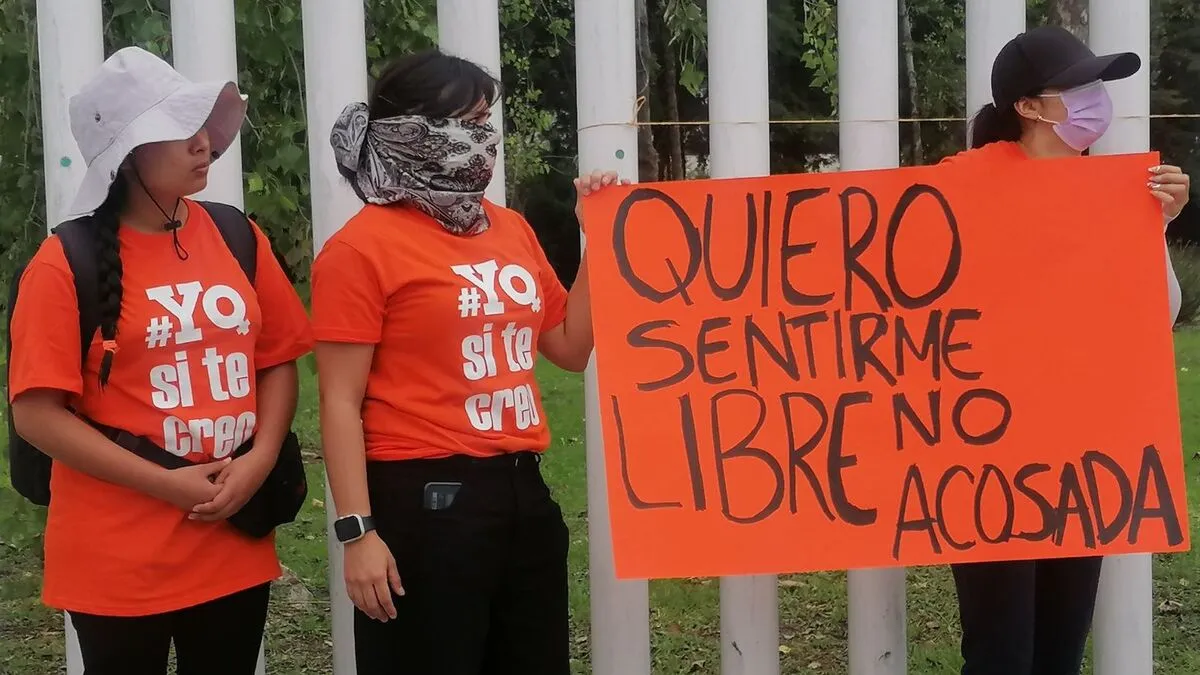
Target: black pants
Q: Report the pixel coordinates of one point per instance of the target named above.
(221, 636)
(1027, 617)
(485, 579)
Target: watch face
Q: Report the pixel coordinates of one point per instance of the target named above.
(347, 528)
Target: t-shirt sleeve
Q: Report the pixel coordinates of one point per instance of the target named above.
(286, 334)
(554, 294)
(348, 300)
(45, 327)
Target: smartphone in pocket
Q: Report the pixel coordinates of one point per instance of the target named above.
(440, 495)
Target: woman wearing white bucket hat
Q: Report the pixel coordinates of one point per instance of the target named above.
(194, 358)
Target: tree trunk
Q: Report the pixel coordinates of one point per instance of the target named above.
(1072, 15)
(669, 87)
(910, 70)
(647, 153)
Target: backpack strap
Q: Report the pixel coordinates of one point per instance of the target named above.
(239, 236)
(79, 245)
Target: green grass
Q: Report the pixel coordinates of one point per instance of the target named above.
(684, 614)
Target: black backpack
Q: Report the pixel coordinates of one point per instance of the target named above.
(29, 467)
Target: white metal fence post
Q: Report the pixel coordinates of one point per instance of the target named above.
(868, 98)
(470, 29)
(1124, 618)
(70, 50)
(335, 74)
(740, 145)
(204, 47)
(606, 87)
(990, 24)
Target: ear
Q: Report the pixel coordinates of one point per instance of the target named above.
(1029, 108)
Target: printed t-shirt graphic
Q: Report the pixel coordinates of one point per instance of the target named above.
(455, 322)
(191, 336)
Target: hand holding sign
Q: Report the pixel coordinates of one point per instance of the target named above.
(1172, 187)
(905, 367)
(589, 184)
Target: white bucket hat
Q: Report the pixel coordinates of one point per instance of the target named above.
(135, 99)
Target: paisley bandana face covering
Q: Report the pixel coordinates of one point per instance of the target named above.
(1089, 114)
(440, 166)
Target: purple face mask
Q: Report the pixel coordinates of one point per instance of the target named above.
(1089, 114)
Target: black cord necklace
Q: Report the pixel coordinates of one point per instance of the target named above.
(172, 224)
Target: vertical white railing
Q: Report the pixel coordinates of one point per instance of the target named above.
(470, 29)
(70, 50)
(1124, 618)
(606, 83)
(868, 98)
(990, 25)
(204, 47)
(335, 74)
(740, 145)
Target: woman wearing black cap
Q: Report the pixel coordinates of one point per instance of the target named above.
(1033, 617)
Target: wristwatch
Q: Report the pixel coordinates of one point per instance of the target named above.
(352, 527)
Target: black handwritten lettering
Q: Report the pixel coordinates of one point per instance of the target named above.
(785, 360)
(798, 455)
(851, 252)
(630, 493)
(1152, 470)
(691, 235)
(735, 291)
(860, 347)
(953, 260)
(1006, 530)
(949, 347)
(1107, 533)
(790, 250)
(987, 437)
(691, 448)
(1071, 502)
(838, 346)
(929, 345)
(839, 462)
(943, 484)
(767, 244)
(932, 434)
(743, 449)
(806, 322)
(639, 338)
(706, 348)
(924, 523)
(1045, 508)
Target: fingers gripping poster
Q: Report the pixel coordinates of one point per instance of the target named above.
(916, 366)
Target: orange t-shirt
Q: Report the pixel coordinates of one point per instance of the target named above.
(191, 335)
(455, 322)
(992, 152)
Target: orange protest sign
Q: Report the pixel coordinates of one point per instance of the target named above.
(965, 362)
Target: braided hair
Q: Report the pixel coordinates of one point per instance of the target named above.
(107, 220)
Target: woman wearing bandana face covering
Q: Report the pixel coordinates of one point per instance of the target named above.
(1033, 617)
(430, 307)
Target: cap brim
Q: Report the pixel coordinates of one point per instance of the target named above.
(1107, 68)
(215, 106)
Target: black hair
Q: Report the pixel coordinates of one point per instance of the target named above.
(992, 124)
(431, 84)
(107, 220)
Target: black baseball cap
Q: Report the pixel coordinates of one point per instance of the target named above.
(1051, 57)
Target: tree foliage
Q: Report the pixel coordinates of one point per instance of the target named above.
(539, 97)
